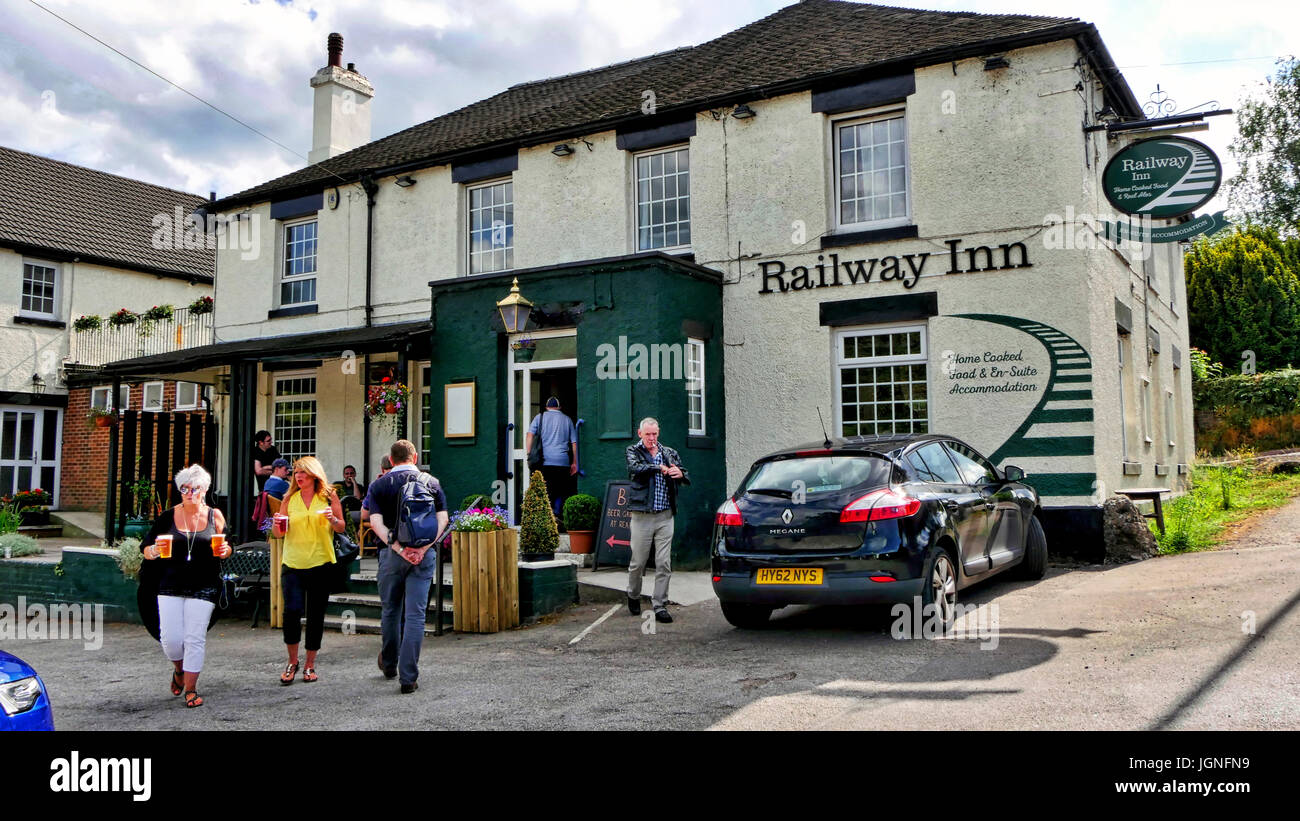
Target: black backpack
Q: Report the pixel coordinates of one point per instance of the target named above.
(417, 512)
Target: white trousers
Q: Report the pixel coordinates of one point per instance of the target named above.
(183, 630)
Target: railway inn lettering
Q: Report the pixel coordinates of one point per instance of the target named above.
(906, 268)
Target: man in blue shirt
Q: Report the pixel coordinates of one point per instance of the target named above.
(277, 484)
(559, 451)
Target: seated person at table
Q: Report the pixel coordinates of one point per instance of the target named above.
(277, 484)
(351, 493)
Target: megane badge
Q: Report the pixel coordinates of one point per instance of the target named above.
(786, 515)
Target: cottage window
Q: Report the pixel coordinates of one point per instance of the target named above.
(298, 278)
(492, 227)
(1169, 417)
(695, 387)
(101, 398)
(40, 282)
(187, 396)
(663, 200)
(871, 172)
(295, 416)
(153, 397)
(1146, 410)
(882, 382)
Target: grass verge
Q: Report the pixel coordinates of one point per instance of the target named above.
(1221, 496)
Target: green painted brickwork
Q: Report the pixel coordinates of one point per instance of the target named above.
(645, 300)
(544, 590)
(87, 579)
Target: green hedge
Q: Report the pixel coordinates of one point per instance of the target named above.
(1248, 397)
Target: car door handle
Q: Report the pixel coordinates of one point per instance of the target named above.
(990, 505)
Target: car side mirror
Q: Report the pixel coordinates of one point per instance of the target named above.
(1013, 474)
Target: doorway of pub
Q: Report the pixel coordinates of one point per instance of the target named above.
(549, 369)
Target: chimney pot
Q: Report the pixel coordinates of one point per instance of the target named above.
(352, 67)
(334, 44)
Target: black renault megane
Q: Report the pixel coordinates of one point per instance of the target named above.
(872, 519)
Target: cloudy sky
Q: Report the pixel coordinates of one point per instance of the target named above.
(64, 95)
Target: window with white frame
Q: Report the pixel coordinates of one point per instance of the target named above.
(1123, 405)
(298, 277)
(187, 396)
(101, 398)
(492, 227)
(40, 290)
(882, 381)
(1169, 417)
(426, 408)
(663, 199)
(871, 186)
(695, 387)
(152, 397)
(294, 424)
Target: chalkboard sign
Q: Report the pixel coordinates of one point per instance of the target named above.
(614, 537)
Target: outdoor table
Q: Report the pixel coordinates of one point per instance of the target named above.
(1149, 494)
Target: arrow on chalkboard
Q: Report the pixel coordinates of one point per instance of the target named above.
(611, 541)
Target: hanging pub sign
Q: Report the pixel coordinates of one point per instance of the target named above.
(1143, 231)
(1162, 177)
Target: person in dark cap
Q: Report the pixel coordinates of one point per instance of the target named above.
(277, 484)
(559, 451)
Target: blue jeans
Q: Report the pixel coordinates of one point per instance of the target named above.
(404, 593)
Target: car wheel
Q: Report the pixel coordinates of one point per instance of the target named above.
(746, 616)
(1034, 565)
(940, 588)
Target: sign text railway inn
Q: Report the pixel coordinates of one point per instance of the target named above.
(827, 218)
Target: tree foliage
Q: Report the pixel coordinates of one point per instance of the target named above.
(1243, 294)
(537, 530)
(1267, 188)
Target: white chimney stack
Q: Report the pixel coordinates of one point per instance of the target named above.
(341, 110)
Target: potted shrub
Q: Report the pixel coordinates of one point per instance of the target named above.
(484, 550)
(538, 536)
(144, 507)
(478, 500)
(581, 514)
(101, 418)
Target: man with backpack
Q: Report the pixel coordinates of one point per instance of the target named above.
(408, 512)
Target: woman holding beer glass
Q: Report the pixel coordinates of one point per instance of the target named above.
(188, 542)
(308, 519)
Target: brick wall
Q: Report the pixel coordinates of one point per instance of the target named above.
(84, 458)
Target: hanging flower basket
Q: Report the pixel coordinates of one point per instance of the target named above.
(159, 312)
(202, 305)
(122, 317)
(385, 402)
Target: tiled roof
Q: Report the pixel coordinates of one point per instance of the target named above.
(47, 204)
(802, 42)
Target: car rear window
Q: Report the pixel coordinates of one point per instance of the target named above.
(819, 474)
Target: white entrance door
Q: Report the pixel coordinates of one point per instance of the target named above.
(29, 449)
(555, 350)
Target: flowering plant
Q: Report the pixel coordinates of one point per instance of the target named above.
(31, 498)
(524, 343)
(158, 312)
(88, 322)
(385, 402)
(202, 305)
(480, 520)
(122, 316)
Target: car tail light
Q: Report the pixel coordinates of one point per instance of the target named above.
(880, 504)
(883, 579)
(729, 515)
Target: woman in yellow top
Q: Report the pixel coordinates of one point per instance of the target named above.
(308, 560)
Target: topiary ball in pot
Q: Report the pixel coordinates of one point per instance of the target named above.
(538, 535)
(581, 515)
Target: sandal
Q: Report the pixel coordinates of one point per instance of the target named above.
(178, 683)
(290, 670)
(309, 674)
(193, 699)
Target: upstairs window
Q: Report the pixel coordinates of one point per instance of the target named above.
(882, 382)
(298, 278)
(871, 172)
(39, 289)
(492, 227)
(663, 200)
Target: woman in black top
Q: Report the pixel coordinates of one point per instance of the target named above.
(189, 582)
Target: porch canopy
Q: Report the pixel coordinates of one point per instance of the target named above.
(410, 340)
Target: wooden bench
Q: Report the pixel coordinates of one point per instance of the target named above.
(1149, 494)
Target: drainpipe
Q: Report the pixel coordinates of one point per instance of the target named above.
(371, 188)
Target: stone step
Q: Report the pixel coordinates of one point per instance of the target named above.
(372, 627)
(372, 600)
(42, 531)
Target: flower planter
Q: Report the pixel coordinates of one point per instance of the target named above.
(32, 517)
(580, 540)
(103, 421)
(390, 407)
(485, 580)
(135, 527)
(524, 354)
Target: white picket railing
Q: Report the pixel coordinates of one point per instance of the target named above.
(109, 344)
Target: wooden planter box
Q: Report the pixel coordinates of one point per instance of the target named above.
(485, 581)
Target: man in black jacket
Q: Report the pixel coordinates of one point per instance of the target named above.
(656, 471)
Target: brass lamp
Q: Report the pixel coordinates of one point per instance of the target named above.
(514, 310)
